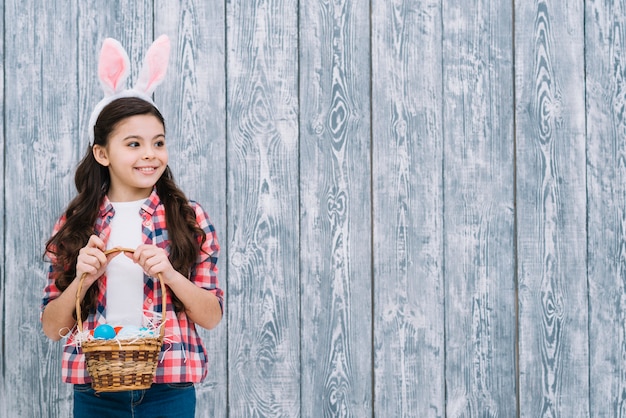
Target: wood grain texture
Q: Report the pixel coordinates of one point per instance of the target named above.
(551, 209)
(407, 146)
(335, 209)
(263, 234)
(42, 121)
(4, 411)
(478, 173)
(192, 101)
(605, 56)
(370, 260)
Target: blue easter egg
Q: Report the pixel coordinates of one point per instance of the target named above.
(104, 332)
(145, 332)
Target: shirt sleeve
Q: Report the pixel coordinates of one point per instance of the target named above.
(51, 291)
(205, 271)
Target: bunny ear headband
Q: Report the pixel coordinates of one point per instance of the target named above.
(113, 69)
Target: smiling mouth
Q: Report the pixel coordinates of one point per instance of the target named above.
(146, 169)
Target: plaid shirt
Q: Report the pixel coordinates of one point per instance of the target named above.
(183, 357)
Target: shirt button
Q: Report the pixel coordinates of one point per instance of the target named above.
(148, 222)
(149, 300)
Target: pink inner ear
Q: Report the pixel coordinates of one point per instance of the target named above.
(155, 65)
(157, 70)
(112, 68)
(110, 73)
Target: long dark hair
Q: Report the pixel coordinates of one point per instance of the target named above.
(92, 184)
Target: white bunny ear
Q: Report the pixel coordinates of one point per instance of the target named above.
(154, 66)
(113, 67)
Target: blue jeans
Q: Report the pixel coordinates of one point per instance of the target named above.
(168, 400)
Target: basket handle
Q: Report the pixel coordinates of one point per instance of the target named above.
(82, 279)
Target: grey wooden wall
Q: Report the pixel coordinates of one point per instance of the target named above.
(421, 204)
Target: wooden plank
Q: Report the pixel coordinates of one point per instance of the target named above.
(42, 93)
(4, 411)
(193, 105)
(335, 209)
(407, 207)
(262, 202)
(605, 57)
(478, 179)
(551, 209)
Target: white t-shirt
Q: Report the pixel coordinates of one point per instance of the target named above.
(124, 297)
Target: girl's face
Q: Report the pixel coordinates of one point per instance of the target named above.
(136, 156)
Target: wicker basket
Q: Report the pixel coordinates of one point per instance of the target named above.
(119, 365)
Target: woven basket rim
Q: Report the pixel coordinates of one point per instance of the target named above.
(147, 344)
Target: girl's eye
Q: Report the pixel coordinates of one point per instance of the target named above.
(159, 143)
(133, 144)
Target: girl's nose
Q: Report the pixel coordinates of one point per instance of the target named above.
(149, 154)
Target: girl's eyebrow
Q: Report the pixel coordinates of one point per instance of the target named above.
(141, 137)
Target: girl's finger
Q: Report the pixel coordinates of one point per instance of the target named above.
(97, 256)
(95, 242)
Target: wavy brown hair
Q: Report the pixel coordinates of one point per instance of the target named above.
(92, 184)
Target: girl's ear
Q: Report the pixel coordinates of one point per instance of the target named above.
(100, 154)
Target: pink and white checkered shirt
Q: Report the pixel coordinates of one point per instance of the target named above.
(183, 357)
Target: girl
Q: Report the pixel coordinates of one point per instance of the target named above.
(127, 198)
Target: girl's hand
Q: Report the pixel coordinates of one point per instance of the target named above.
(153, 260)
(91, 260)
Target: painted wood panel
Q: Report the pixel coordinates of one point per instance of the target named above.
(262, 200)
(3, 329)
(193, 100)
(551, 209)
(42, 121)
(478, 184)
(605, 57)
(336, 323)
(401, 189)
(407, 152)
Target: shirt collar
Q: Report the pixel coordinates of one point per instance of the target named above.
(148, 206)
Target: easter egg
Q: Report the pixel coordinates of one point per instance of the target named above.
(145, 332)
(129, 331)
(104, 332)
